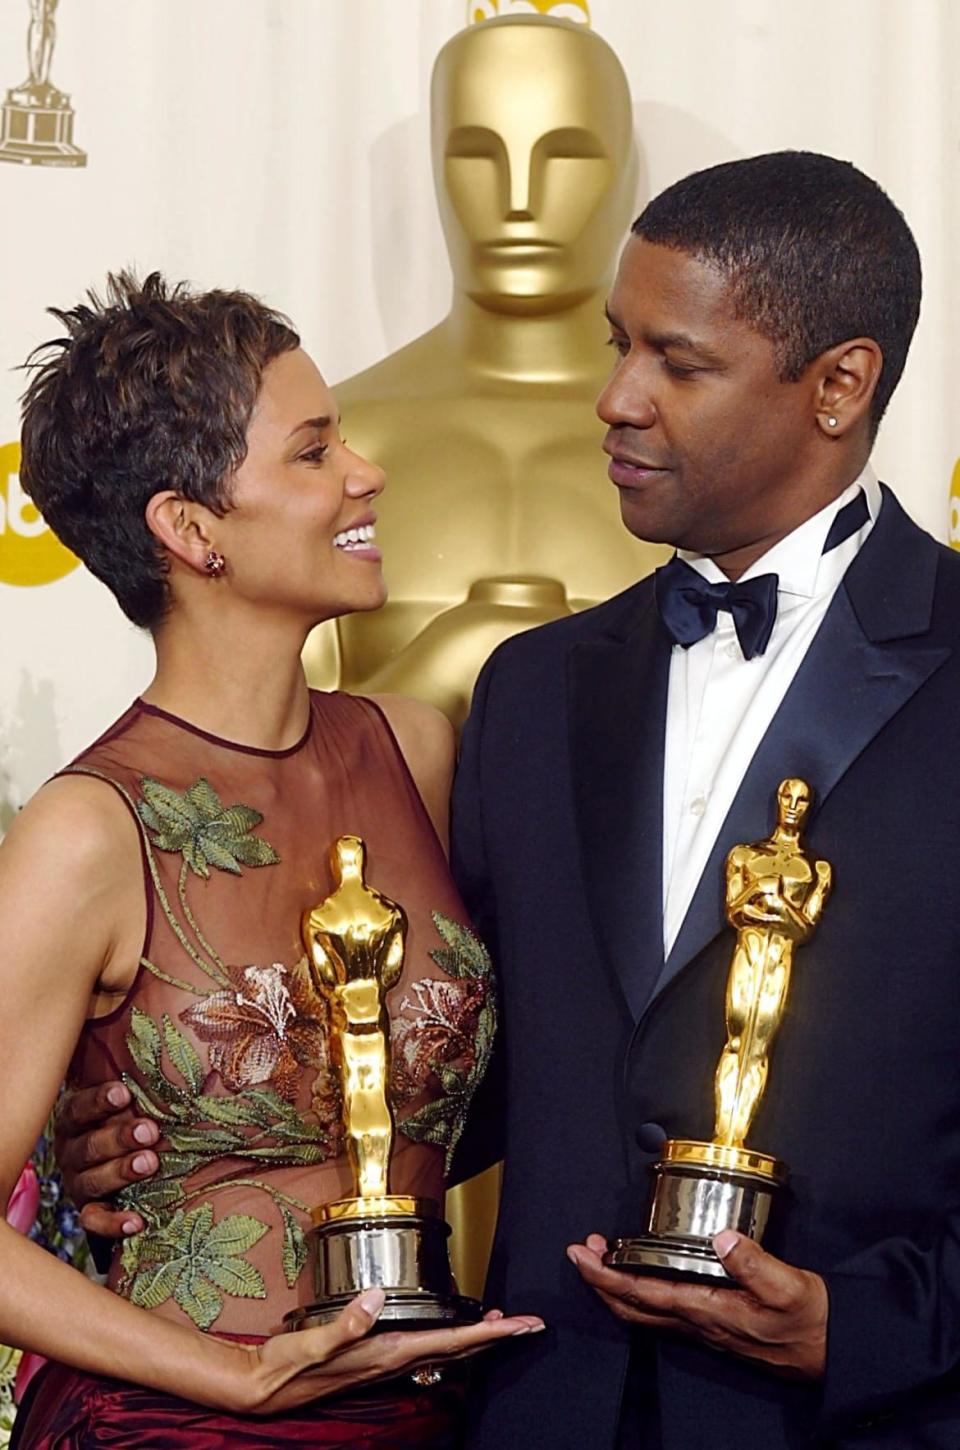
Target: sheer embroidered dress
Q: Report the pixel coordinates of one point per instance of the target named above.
(222, 1038)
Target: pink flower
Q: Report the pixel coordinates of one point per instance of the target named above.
(24, 1201)
(21, 1213)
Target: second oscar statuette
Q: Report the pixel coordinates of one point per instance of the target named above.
(355, 942)
(775, 894)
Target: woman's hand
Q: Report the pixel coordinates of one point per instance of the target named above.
(292, 1369)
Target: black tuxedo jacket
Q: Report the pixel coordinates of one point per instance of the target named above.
(557, 848)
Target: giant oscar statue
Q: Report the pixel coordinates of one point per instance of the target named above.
(498, 515)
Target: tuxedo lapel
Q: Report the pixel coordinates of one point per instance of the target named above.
(866, 662)
(617, 700)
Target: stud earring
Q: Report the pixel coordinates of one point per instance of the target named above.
(831, 421)
(215, 564)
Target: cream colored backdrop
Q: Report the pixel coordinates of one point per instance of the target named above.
(282, 145)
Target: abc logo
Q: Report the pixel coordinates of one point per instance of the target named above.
(29, 552)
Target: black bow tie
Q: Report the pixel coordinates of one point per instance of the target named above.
(688, 603)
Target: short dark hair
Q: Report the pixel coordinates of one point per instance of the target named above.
(152, 388)
(813, 250)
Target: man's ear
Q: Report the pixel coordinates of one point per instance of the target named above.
(849, 374)
(181, 527)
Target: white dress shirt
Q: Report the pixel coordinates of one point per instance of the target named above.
(719, 704)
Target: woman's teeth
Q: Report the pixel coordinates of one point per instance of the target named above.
(355, 538)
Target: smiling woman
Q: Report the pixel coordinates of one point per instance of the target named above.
(189, 840)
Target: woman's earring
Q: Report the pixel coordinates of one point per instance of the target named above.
(215, 565)
(831, 421)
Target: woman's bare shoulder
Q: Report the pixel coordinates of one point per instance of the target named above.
(76, 824)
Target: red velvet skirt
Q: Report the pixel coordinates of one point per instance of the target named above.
(65, 1409)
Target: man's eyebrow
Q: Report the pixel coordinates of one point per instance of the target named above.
(317, 423)
(684, 343)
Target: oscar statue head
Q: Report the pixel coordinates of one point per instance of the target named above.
(793, 802)
(534, 161)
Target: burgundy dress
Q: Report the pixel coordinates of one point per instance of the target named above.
(224, 1042)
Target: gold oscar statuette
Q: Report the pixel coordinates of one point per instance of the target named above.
(355, 942)
(36, 125)
(775, 894)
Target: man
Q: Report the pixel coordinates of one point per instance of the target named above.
(760, 319)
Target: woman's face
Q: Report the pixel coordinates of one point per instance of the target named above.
(299, 535)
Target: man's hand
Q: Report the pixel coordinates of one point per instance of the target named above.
(101, 1146)
(778, 1316)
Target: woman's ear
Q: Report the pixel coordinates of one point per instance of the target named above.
(182, 528)
(849, 376)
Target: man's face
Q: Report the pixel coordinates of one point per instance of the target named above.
(709, 449)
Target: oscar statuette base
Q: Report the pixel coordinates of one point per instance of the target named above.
(36, 128)
(398, 1244)
(699, 1190)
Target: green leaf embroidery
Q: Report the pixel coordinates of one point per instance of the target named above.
(183, 1055)
(465, 954)
(294, 1248)
(441, 1121)
(143, 1040)
(198, 1299)
(202, 829)
(190, 1258)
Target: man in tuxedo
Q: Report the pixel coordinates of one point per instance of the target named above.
(760, 321)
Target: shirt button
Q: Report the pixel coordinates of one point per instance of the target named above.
(698, 805)
(733, 651)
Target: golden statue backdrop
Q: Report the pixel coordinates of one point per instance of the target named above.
(498, 514)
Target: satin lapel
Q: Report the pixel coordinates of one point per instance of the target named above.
(847, 688)
(617, 699)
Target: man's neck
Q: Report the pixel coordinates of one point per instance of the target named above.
(736, 561)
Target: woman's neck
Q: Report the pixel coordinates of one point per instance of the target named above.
(244, 685)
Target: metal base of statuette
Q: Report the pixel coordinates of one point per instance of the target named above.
(699, 1190)
(36, 128)
(396, 1243)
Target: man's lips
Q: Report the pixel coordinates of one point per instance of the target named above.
(627, 472)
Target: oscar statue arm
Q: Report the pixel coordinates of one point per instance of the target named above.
(482, 1141)
(735, 876)
(815, 902)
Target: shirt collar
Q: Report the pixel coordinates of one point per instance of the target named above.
(798, 560)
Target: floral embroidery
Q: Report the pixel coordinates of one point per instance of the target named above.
(446, 1040)
(264, 1029)
(260, 1027)
(197, 824)
(199, 1128)
(190, 1258)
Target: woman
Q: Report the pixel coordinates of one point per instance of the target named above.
(187, 449)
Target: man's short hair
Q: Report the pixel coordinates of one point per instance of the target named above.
(814, 253)
(151, 388)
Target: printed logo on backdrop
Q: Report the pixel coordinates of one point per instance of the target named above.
(29, 552)
(578, 10)
(955, 507)
(37, 124)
